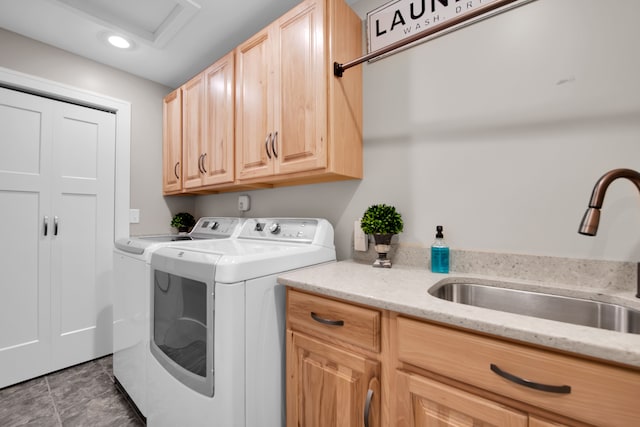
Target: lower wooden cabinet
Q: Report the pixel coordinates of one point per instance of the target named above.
(330, 386)
(424, 402)
(418, 373)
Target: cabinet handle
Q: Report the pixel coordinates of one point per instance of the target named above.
(561, 389)
(175, 170)
(55, 225)
(266, 145)
(329, 322)
(200, 164)
(367, 407)
(273, 144)
(204, 170)
(45, 222)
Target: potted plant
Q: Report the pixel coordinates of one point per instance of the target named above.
(183, 221)
(382, 221)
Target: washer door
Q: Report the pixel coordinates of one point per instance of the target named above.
(182, 326)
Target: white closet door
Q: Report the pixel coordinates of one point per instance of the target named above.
(83, 207)
(57, 163)
(25, 168)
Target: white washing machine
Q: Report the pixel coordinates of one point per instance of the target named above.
(218, 324)
(131, 299)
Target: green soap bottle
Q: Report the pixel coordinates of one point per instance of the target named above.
(439, 253)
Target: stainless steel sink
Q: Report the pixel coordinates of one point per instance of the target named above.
(542, 305)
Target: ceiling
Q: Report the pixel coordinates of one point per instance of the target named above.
(173, 39)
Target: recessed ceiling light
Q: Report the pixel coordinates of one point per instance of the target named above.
(119, 42)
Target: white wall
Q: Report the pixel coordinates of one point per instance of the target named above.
(498, 132)
(31, 57)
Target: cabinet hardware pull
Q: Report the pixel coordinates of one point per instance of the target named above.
(329, 322)
(266, 145)
(273, 144)
(204, 170)
(200, 164)
(175, 170)
(367, 407)
(562, 389)
(45, 222)
(55, 225)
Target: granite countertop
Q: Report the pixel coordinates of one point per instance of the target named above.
(403, 289)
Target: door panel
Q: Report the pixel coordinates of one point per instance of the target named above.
(423, 402)
(25, 164)
(192, 114)
(301, 106)
(254, 94)
(83, 194)
(172, 142)
(218, 160)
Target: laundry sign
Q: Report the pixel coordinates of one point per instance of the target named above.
(401, 19)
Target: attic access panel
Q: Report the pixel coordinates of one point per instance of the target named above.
(153, 22)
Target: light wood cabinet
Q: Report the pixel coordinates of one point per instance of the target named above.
(571, 387)
(271, 113)
(172, 143)
(199, 134)
(296, 122)
(208, 133)
(192, 130)
(329, 384)
(432, 374)
(425, 402)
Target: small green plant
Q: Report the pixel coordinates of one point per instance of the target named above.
(183, 220)
(381, 219)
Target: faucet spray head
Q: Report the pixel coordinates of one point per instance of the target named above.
(590, 222)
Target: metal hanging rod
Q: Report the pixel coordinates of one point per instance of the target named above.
(339, 69)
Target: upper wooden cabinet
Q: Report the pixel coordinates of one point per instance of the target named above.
(208, 134)
(295, 121)
(172, 143)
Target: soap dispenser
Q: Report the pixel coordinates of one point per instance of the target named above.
(439, 253)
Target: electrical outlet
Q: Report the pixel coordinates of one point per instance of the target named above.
(360, 240)
(134, 216)
(243, 203)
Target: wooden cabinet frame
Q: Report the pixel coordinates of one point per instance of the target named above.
(421, 376)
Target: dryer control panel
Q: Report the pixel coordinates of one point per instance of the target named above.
(300, 230)
(215, 228)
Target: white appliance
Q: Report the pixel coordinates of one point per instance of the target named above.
(218, 324)
(131, 299)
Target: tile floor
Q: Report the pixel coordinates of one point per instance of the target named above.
(83, 395)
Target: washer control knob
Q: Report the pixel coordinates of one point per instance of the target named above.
(215, 225)
(274, 228)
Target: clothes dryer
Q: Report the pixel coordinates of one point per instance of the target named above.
(218, 323)
(131, 299)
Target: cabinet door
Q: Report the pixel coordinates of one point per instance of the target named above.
(218, 145)
(423, 402)
(172, 143)
(192, 119)
(539, 422)
(25, 170)
(83, 232)
(330, 387)
(301, 90)
(254, 107)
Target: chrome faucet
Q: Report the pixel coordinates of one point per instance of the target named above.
(591, 218)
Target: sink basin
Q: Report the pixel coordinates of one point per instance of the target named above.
(577, 311)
